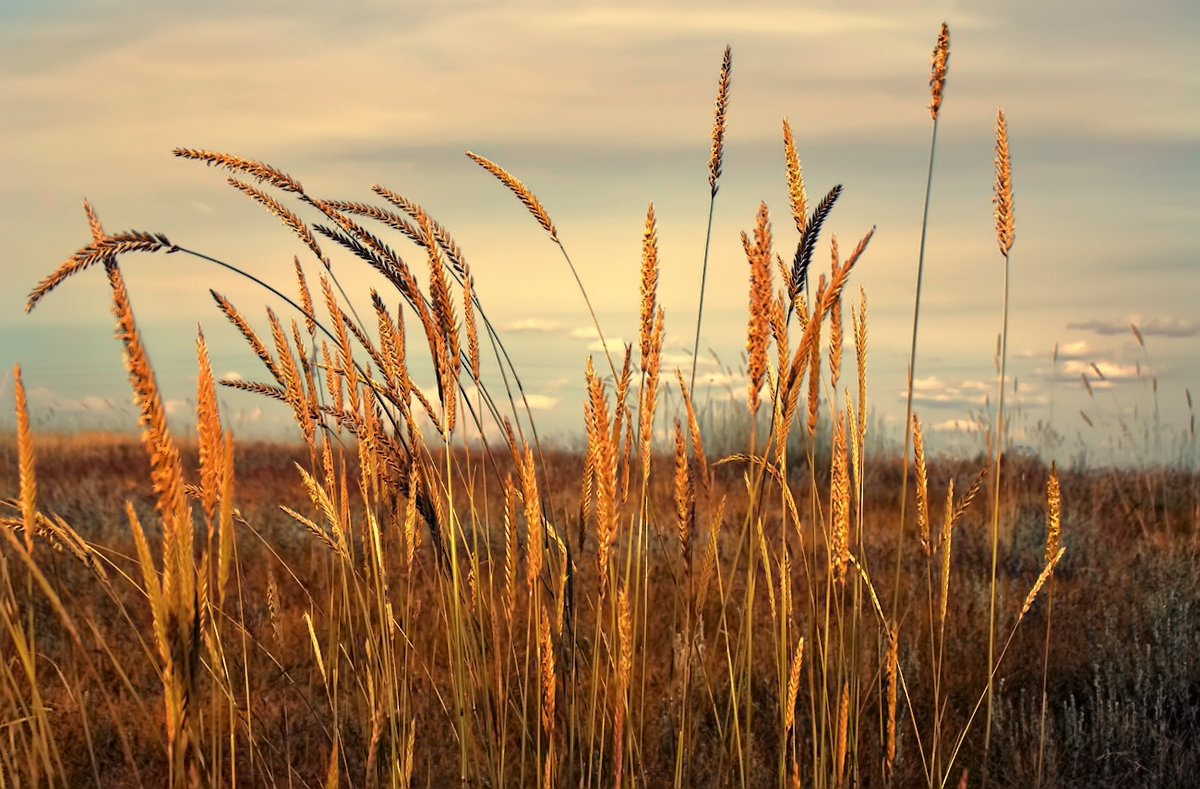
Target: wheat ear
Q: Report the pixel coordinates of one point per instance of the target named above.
(797, 196)
(758, 328)
(649, 284)
(1003, 199)
(100, 250)
(922, 484)
(720, 111)
(520, 190)
(260, 171)
(937, 77)
(840, 484)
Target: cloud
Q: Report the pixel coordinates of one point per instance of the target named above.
(714, 380)
(44, 397)
(538, 402)
(535, 326)
(932, 391)
(683, 360)
(1071, 351)
(955, 426)
(232, 375)
(584, 333)
(255, 414)
(1103, 370)
(1168, 326)
(615, 345)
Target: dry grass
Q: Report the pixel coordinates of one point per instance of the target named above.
(389, 604)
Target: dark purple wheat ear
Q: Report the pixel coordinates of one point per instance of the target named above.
(808, 242)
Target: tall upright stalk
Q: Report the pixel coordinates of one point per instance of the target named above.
(937, 87)
(714, 174)
(1003, 201)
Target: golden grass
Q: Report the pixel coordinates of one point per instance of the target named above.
(320, 631)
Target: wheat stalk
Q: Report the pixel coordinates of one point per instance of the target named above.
(842, 732)
(922, 484)
(100, 250)
(451, 249)
(793, 688)
(694, 431)
(1053, 513)
(285, 215)
(520, 190)
(808, 243)
(720, 111)
(758, 329)
(264, 173)
(947, 533)
(649, 285)
(685, 497)
(27, 471)
(624, 670)
(937, 77)
(533, 519)
(469, 324)
(840, 492)
(1003, 199)
(797, 196)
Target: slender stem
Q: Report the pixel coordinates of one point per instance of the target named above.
(703, 278)
(996, 523)
(1045, 672)
(592, 312)
(912, 366)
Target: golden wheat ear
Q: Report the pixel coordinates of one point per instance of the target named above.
(937, 77)
(260, 171)
(720, 112)
(102, 249)
(520, 190)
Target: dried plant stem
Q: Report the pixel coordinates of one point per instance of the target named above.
(714, 173)
(941, 54)
(1004, 237)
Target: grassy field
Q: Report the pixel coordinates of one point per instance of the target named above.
(390, 603)
(1122, 694)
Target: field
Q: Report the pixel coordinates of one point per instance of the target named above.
(392, 601)
(1122, 698)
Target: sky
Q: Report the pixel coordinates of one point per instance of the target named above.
(602, 108)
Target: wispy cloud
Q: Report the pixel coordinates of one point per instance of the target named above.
(933, 391)
(615, 345)
(539, 402)
(955, 426)
(683, 361)
(720, 380)
(535, 326)
(1102, 370)
(1079, 350)
(1168, 326)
